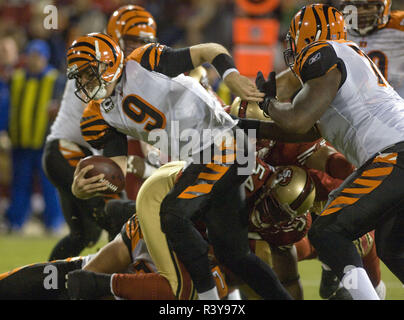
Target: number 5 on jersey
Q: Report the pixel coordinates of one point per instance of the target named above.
(140, 111)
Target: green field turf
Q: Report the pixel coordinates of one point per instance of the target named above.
(21, 250)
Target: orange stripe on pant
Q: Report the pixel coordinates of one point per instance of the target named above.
(72, 156)
(390, 159)
(377, 172)
(339, 201)
(204, 188)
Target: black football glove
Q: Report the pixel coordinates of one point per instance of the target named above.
(268, 87)
(87, 285)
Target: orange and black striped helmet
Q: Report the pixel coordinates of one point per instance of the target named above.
(98, 52)
(312, 23)
(132, 20)
(367, 21)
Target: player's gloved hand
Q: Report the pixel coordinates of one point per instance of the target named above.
(268, 87)
(88, 285)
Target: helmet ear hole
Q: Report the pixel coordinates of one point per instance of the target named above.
(111, 64)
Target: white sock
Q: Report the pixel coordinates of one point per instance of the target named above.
(357, 282)
(209, 295)
(234, 295)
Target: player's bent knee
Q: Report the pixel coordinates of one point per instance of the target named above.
(320, 237)
(230, 257)
(177, 229)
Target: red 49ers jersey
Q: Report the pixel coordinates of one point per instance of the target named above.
(292, 153)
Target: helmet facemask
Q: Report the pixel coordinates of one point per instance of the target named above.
(269, 212)
(89, 82)
(287, 194)
(129, 43)
(290, 52)
(370, 17)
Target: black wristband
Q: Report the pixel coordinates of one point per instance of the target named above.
(223, 62)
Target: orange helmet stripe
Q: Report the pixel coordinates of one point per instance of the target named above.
(316, 22)
(130, 20)
(95, 48)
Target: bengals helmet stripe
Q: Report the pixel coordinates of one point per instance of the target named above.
(78, 54)
(317, 22)
(92, 49)
(313, 23)
(297, 31)
(108, 42)
(132, 20)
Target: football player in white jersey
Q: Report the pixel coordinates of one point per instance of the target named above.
(345, 95)
(146, 95)
(132, 26)
(380, 34)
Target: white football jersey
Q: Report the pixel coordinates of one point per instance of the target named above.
(367, 114)
(173, 113)
(67, 123)
(386, 48)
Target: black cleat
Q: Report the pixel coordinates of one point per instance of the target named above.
(341, 294)
(329, 284)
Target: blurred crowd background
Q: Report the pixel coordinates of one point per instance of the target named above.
(23, 39)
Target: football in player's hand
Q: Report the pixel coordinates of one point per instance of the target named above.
(113, 173)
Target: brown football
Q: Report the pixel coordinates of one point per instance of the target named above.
(111, 170)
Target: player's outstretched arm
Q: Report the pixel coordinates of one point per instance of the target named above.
(270, 130)
(287, 85)
(220, 58)
(308, 106)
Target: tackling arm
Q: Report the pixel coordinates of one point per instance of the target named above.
(220, 58)
(287, 85)
(308, 106)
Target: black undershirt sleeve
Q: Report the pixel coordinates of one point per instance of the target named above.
(173, 62)
(116, 144)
